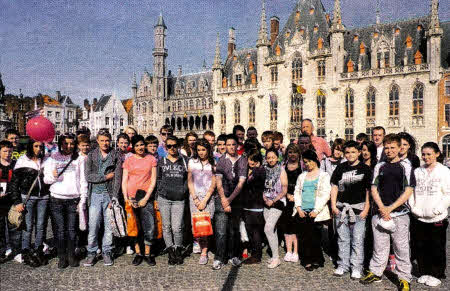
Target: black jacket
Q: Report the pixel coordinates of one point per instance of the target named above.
(21, 181)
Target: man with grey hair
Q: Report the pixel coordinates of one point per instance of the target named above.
(320, 145)
(104, 176)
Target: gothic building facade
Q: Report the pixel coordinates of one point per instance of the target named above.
(345, 80)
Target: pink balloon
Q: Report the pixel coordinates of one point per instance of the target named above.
(40, 129)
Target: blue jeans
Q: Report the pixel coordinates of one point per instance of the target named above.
(65, 217)
(350, 243)
(97, 217)
(36, 210)
(14, 236)
(227, 234)
(172, 215)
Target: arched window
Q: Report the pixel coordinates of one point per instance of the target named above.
(297, 69)
(237, 112)
(180, 106)
(321, 103)
(144, 108)
(223, 113)
(150, 106)
(418, 99)
(296, 107)
(446, 146)
(370, 106)
(394, 101)
(210, 103)
(349, 103)
(273, 108)
(197, 104)
(191, 104)
(251, 111)
(203, 103)
(321, 69)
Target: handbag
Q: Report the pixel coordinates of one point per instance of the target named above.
(16, 217)
(158, 221)
(201, 224)
(117, 220)
(132, 226)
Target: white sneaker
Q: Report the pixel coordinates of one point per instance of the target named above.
(356, 275)
(18, 258)
(46, 249)
(235, 262)
(423, 279)
(294, 258)
(129, 251)
(339, 272)
(196, 248)
(432, 281)
(8, 252)
(274, 263)
(99, 251)
(288, 257)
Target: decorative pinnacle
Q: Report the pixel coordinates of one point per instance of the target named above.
(217, 59)
(336, 25)
(434, 14)
(262, 35)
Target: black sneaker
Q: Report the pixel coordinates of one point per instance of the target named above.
(137, 260)
(63, 263)
(108, 259)
(150, 260)
(90, 260)
(370, 278)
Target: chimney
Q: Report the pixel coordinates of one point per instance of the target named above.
(86, 103)
(94, 103)
(231, 41)
(327, 17)
(274, 28)
(180, 71)
(58, 96)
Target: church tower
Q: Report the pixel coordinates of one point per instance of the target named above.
(337, 44)
(159, 59)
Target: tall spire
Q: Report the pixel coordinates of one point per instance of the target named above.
(337, 17)
(262, 35)
(134, 84)
(161, 21)
(217, 59)
(434, 14)
(378, 12)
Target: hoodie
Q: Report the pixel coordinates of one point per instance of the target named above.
(431, 197)
(72, 183)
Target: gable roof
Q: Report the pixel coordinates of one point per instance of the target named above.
(127, 104)
(102, 103)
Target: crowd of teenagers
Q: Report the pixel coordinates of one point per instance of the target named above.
(370, 205)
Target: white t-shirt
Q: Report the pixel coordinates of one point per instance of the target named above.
(380, 150)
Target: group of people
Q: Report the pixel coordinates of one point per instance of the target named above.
(372, 198)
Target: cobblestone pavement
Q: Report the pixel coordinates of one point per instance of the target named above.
(190, 276)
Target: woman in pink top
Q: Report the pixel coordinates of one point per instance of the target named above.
(138, 183)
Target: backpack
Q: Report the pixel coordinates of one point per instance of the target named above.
(117, 219)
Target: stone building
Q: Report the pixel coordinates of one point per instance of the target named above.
(61, 111)
(183, 101)
(109, 113)
(345, 80)
(16, 108)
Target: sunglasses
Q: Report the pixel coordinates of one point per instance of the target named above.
(169, 146)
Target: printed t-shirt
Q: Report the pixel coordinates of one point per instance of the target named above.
(352, 182)
(139, 173)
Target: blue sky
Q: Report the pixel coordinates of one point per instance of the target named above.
(86, 48)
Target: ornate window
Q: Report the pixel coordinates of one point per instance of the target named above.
(238, 80)
(144, 108)
(204, 103)
(349, 103)
(447, 115)
(191, 104)
(251, 111)
(210, 103)
(370, 105)
(321, 69)
(237, 112)
(197, 104)
(321, 132)
(418, 100)
(180, 106)
(394, 101)
(296, 108)
(273, 108)
(321, 103)
(297, 69)
(223, 113)
(274, 74)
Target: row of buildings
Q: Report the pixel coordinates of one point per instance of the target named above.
(346, 80)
